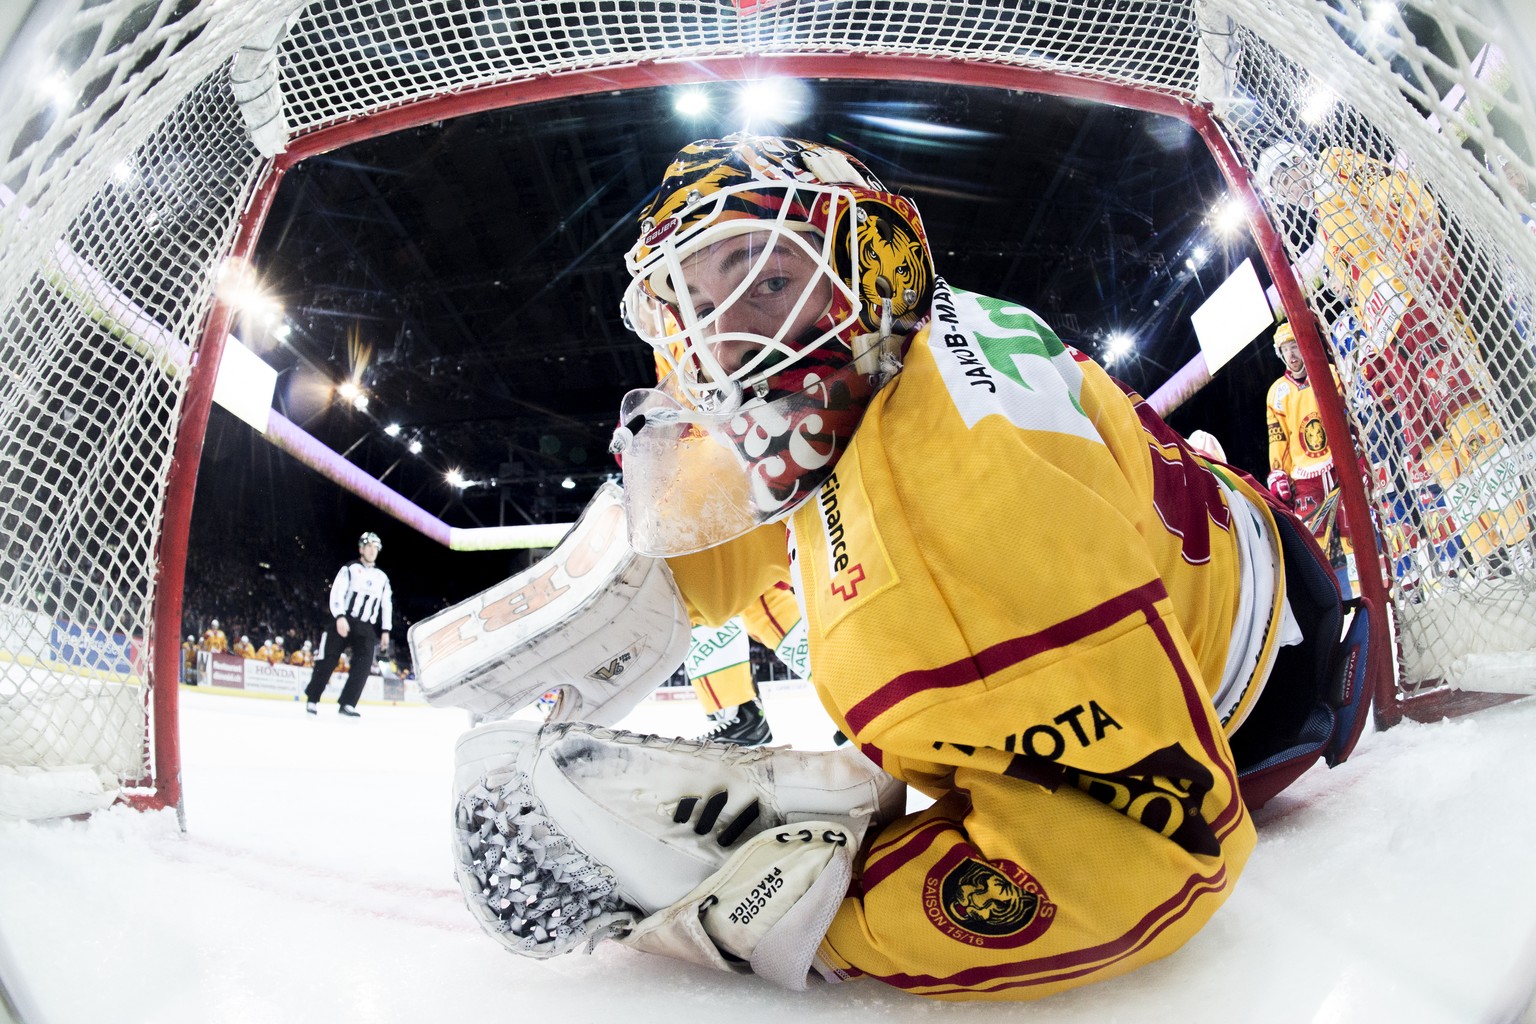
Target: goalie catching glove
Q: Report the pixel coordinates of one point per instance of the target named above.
(725, 856)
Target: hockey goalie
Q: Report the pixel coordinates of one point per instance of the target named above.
(1026, 598)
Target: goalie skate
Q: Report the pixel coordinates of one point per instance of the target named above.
(571, 833)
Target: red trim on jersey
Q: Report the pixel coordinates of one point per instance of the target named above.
(912, 828)
(1075, 963)
(1197, 704)
(1007, 653)
(912, 845)
(777, 628)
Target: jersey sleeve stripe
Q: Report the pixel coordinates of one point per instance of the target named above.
(1073, 964)
(1200, 721)
(1008, 653)
(910, 847)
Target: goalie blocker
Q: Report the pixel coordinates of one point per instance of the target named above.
(592, 620)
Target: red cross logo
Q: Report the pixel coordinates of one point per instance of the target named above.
(850, 590)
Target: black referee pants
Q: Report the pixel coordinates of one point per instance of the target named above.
(363, 639)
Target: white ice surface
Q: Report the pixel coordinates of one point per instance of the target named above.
(313, 885)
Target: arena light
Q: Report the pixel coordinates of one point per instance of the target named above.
(348, 390)
(1227, 217)
(772, 100)
(1379, 34)
(360, 403)
(691, 102)
(414, 447)
(393, 430)
(568, 484)
(1117, 346)
(1316, 104)
(57, 88)
(456, 479)
(239, 288)
(908, 126)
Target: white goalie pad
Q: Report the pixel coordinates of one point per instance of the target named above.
(592, 619)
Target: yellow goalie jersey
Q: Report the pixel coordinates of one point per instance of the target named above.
(1019, 593)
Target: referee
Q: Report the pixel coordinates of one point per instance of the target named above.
(361, 613)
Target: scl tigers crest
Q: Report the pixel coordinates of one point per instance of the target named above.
(1313, 437)
(994, 904)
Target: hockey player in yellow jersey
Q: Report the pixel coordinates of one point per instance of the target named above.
(1380, 237)
(189, 660)
(304, 657)
(1300, 461)
(214, 638)
(1025, 598)
(729, 695)
(1301, 469)
(271, 651)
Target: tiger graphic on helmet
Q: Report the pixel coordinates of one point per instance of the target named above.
(893, 264)
(870, 242)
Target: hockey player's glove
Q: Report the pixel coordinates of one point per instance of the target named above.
(720, 855)
(1280, 487)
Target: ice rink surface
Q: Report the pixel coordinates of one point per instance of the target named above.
(314, 885)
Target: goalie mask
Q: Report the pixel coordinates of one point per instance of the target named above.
(1285, 171)
(778, 282)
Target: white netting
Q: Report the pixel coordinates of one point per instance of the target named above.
(128, 157)
(127, 170)
(1417, 256)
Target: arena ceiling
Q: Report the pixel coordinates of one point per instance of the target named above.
(467, 273)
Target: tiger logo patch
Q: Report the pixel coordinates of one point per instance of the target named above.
(994, 904)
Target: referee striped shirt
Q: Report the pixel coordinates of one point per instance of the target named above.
(362, 592)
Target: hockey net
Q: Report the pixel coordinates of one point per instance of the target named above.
(143, 149)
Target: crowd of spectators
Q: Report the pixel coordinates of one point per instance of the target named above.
(252, 595)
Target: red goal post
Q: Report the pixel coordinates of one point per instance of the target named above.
(140, 162)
